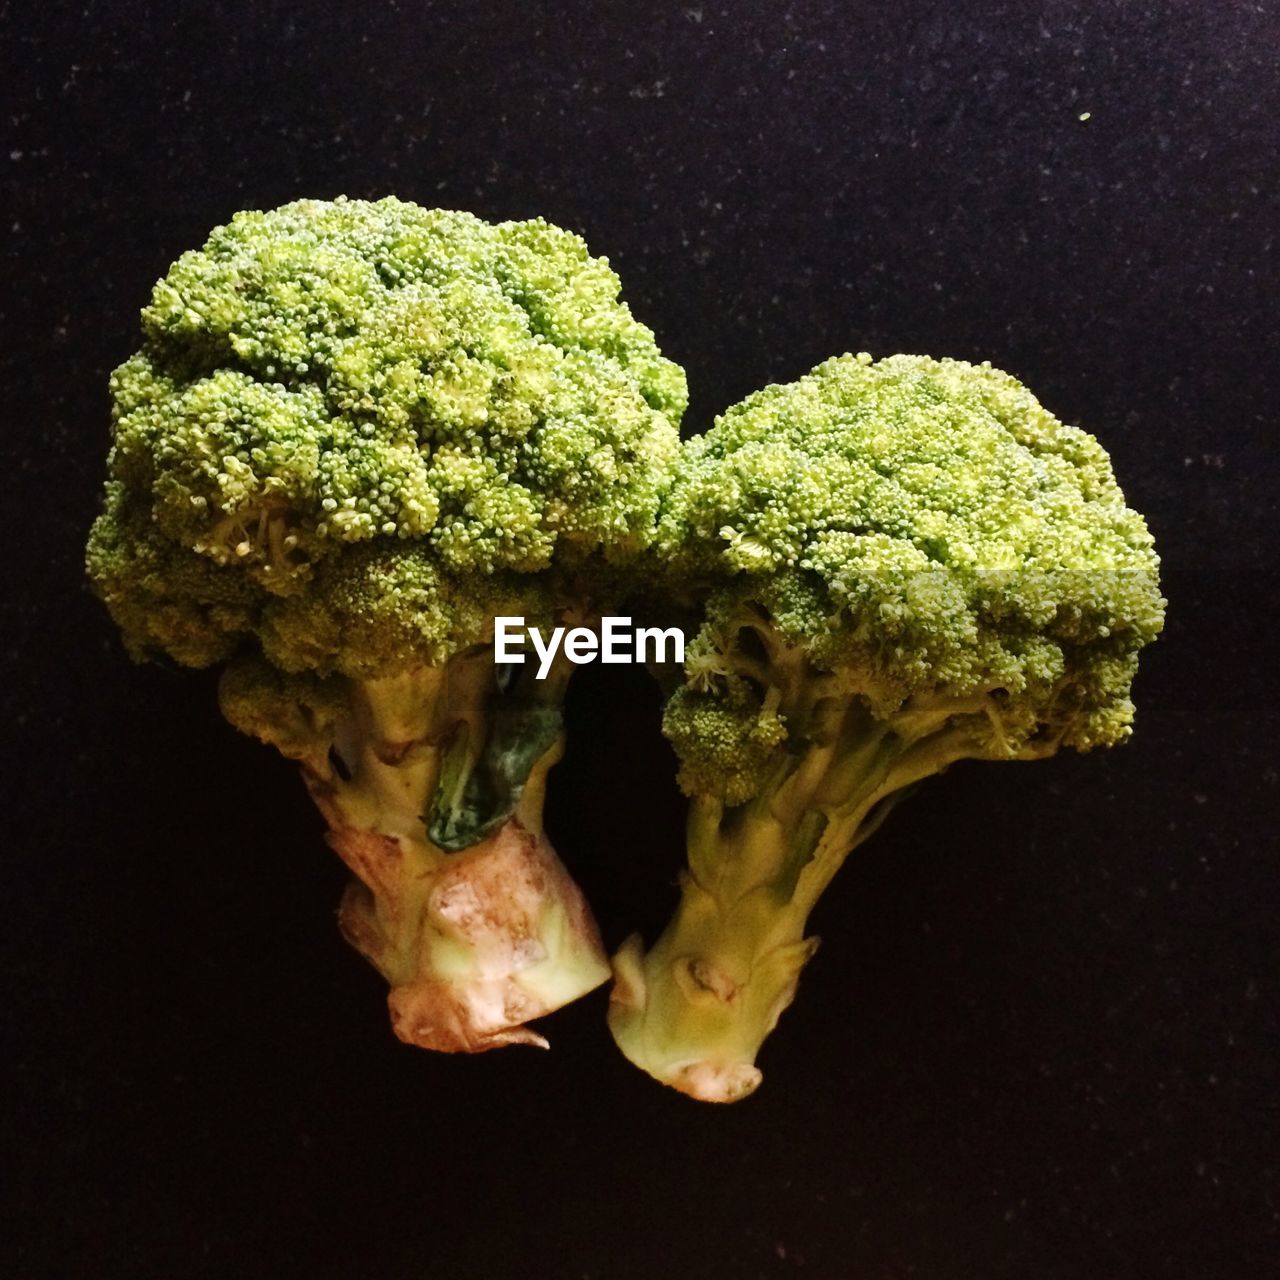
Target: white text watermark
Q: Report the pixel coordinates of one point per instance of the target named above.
(615, 641)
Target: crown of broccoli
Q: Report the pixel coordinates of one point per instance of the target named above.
(354, 428)
(904, 528)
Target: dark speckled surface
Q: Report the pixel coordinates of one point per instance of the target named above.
(1040, 1039)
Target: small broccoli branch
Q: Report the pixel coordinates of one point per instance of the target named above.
(475, 939)
(495, 763)
(695, 1009)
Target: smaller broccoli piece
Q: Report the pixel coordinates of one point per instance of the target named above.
(353, 435)
(905, 564)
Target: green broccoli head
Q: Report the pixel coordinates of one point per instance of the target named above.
(908, 531)
(351, 426)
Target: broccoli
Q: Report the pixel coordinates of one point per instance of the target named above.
(356, 432)
(902, 564)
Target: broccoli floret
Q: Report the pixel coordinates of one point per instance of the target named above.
(353, 434)
(907, 563)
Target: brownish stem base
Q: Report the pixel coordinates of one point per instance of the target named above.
(474, 945)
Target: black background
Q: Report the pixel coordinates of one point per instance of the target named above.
(1040, 1039)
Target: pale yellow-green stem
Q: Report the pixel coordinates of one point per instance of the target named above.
(474, 943)
(695, 1009)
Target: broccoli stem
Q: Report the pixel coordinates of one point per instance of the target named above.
(478, 941)
(695, 1009)
(475, 942)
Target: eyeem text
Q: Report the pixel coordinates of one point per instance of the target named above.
(616, 641)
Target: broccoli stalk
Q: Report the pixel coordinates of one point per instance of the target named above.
(354, 434)
(432, 784)
(736, 945)
(911, 563)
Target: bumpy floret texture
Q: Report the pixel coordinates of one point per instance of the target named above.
(295, 713)
(725, 740)
(329, 384)
(913, 527)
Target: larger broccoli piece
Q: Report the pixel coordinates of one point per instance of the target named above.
(354, 433)
(908, 563)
